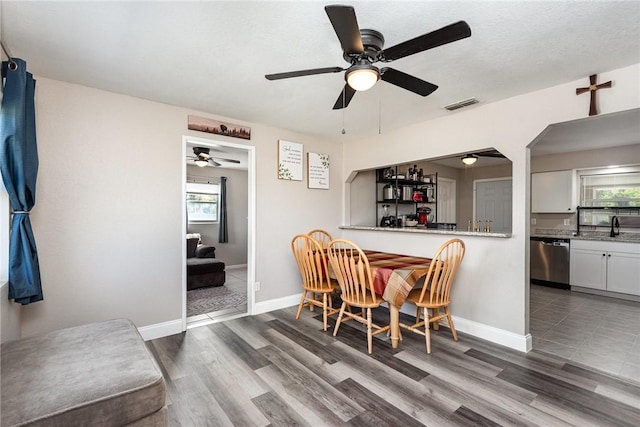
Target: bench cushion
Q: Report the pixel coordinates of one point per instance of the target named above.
(204, 266)
(100, 374)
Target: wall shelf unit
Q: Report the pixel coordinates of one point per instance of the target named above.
(404, 196)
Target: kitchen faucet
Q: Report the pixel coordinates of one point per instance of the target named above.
(615, 226)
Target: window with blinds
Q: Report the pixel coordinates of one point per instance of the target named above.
(202, 202)
(610, 190)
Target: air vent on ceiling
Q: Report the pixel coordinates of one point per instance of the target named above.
(460, 104)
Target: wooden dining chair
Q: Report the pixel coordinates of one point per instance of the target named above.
(351, 267)
(323, 237)
(436, 291)
(312, 263)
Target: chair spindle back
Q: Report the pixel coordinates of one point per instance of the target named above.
(442, 271)
(352, 270)
(321, 236)
(311, 261)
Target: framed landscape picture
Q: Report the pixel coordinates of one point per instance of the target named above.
(318, 171)
(289, 160)
(219, 128)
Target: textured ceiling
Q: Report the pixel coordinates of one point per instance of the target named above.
(212, 56)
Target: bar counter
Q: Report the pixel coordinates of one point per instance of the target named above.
(423, 230)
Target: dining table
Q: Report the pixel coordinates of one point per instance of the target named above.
(394, 276)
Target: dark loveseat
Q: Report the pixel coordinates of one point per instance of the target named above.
(203, 269)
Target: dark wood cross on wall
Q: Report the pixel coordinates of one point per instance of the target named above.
(593, 87)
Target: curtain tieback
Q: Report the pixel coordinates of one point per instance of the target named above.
(21, 212)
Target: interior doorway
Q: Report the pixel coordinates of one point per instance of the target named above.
(493, 202)
(234, 295)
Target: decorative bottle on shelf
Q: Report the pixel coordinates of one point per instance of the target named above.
(414, 176)
(420, 175)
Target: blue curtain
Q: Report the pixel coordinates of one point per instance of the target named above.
(223, 233)
(19, 167)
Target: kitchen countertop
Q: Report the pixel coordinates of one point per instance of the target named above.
(423, 230)
(587, 235)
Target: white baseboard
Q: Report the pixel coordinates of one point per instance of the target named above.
(480, 330)
(276, 304)
(159, 330)
(235, 267)
(495, 335)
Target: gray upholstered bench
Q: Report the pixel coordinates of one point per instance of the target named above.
(100, 374)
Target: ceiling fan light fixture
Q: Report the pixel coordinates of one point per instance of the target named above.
(362, 77)
(201, 162)
(469, 159)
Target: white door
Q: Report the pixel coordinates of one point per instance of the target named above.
(493, 202)
(446, 200)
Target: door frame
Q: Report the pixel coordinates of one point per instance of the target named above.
(251, 217)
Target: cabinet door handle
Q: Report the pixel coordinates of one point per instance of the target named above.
(603, 254)
(609, 255)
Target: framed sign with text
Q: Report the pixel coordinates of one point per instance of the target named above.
(318, 170)
(290, 160)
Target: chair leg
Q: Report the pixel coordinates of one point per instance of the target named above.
(436, 325)
(335, 328)
(417, 314)
(450, 320)
(304, 294)
(427, 332)
(324, 311)
(312, 307)
(369, 336)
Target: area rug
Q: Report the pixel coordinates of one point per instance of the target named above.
(206, 300)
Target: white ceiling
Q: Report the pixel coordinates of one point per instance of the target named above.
(212, 56)
(608, 130)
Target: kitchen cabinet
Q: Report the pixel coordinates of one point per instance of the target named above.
(606, 266)
(398, 195)
(553, 192)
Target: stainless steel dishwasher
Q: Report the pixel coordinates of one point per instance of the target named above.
(550, 261)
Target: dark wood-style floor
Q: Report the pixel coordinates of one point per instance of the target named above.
(273, 370)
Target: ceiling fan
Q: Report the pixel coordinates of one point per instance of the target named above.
(202, 158)
(363, 48)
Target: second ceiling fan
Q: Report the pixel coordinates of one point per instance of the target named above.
(363, 48)
(202, 158)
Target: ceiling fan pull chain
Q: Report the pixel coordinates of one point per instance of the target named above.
(379, 111)
(343, 102)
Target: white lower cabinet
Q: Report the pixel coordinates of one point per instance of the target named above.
(607, 266)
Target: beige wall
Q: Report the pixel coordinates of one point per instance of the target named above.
(587, 159)
(491, 291)
(108, 219)
(234, 252)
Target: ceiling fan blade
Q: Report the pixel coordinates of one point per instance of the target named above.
(301, 73)
(226, 160)
(406, 81)
(444, 35)
(345, 24)
(345, 97)
(214, 163)
(491, 153)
